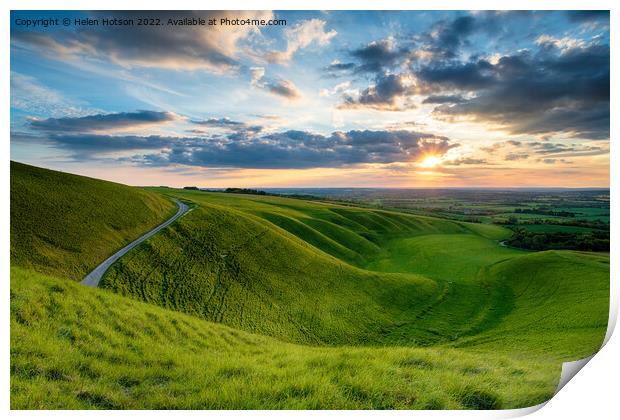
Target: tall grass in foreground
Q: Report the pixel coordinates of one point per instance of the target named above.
(76, 347)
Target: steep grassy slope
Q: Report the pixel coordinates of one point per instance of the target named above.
(275, 266)
(321, 273)
(76, 347)
(233, 268)
(559, 304)
(65, 224)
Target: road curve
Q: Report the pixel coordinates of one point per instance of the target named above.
(94, 277)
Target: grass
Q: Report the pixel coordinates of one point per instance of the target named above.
(267, 302)
(66, 225)
(75, 347)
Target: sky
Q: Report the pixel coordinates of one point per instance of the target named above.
(330, 99)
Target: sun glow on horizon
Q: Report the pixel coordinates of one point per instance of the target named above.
(430, 161)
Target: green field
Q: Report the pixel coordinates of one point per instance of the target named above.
(269, 302)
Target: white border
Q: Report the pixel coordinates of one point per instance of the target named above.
(593, 394)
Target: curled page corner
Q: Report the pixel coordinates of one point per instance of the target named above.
(569, 370)
(521, 412)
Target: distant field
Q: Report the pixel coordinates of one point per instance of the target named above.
(269, 302)
(486, 205)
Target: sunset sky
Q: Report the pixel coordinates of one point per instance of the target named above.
(332, 99)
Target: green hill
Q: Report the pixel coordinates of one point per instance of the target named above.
(319, 273)
(324, 305)
(66, 225)
(77, 347)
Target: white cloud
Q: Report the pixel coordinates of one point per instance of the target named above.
(565, 43)
(29, 95)
(301, 36)
(213, 48)
(257, 75)
(285, 89)
(338, 89)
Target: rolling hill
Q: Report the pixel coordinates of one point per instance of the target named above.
(65, 224)
(269, 302)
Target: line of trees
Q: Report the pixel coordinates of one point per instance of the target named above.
(540, 241)
(546, 212)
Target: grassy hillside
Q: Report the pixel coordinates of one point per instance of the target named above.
(65, 224)
(319, 273)
(559, 304)
(279, 267)
(76, 347)
(324, 306)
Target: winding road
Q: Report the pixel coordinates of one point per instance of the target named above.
(94, 277)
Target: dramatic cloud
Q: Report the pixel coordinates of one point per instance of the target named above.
(290, 149)
(446, 37)
(103, 122)
(588, 15)
(93, 143)
(211, 48)
(388, 94)
(550, 92)
(561, 85)
(301, 36)
(456, 75)
(444, 99)
(378, 55)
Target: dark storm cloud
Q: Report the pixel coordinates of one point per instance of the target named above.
(448, 36)
(148, 46)
(548, 92)
(378, 55)
(299, 149)
(444, 99)
(290, 149)
(588, 15)
(455, 75)
(546, 89)
(101, 122)
(372, 58)
(384, 95)
(93, 143)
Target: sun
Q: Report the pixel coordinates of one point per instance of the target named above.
(430, 161)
